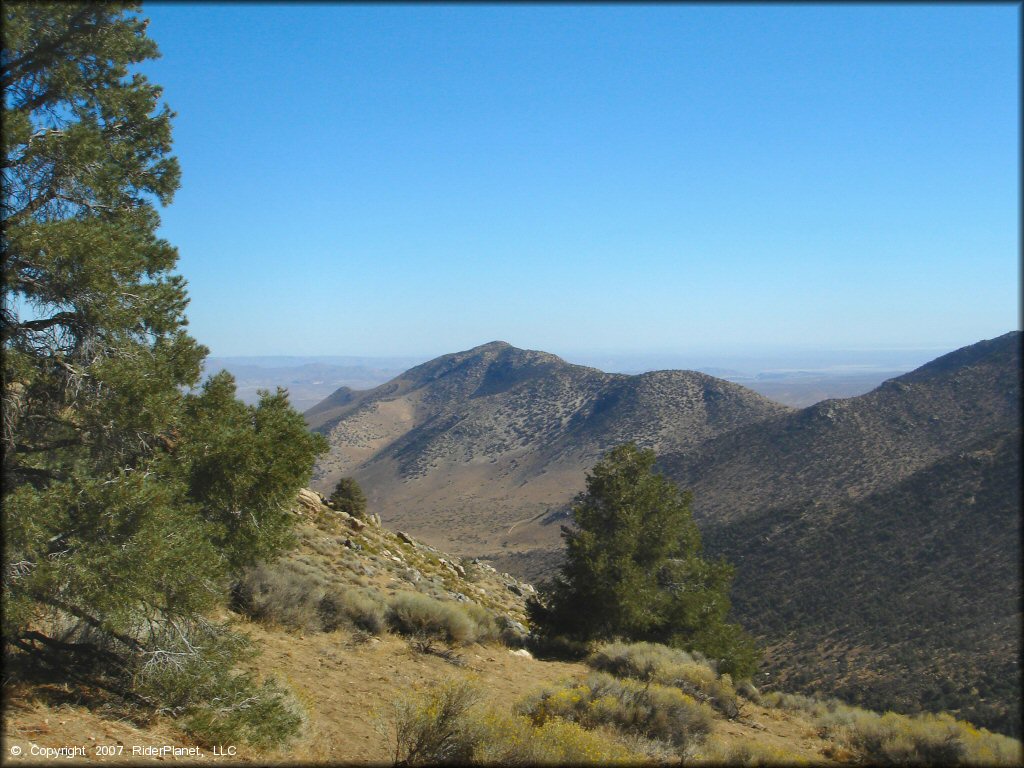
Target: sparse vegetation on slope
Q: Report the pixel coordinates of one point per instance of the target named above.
(341, 679)
(894, 739)
(932, 626)
(473, 449)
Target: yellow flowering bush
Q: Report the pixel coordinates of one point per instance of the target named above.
(690, 672)
(892, 738)
(651, 710)
(447, 724)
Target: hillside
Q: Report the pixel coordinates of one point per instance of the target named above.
(845, 449)
(905, 599)
(882, 529)
(348, 674)
(888, 524)
(467, 449)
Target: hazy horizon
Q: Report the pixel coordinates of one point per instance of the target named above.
(744, 360)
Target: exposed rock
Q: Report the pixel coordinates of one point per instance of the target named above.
(521, 652)
(309, 499)
(514, 589)
(508, 622)
(403, 536)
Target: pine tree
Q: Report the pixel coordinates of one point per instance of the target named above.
(634, 568)
(129, 498)
(348, 497)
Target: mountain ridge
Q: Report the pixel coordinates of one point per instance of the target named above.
(510, 430)
(480, 452)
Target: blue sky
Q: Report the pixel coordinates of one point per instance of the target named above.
(415, 180)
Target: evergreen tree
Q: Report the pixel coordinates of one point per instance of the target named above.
(634, 568)
(348, 497)
(129, 502)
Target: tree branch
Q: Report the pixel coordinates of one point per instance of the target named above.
(92, 621)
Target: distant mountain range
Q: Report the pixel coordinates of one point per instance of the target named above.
(804, 378)
(307, 379)
(875, 537)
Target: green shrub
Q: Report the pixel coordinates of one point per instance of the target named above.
(432, 728)
(501, 738)
(291, 594)
(485, 623)
(651, 710)
(278, 594)
(411, 613)
(926, 739)
(749, 691)
(191, 675)
(363, 609)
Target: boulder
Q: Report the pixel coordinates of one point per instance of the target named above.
(308, 499)
(517, 626)
(403, 536)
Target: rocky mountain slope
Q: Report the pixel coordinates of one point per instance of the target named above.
(871, 535)
(351, 669)
(469, 448)
(907, 598)
(844, 449)
(888, 524)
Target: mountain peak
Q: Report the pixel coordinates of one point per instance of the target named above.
(492, 345)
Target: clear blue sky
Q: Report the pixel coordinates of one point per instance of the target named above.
(388, 180)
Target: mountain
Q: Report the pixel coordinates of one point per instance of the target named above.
(907, 598)
(844, 449)
(469, 448)
(876, 538)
